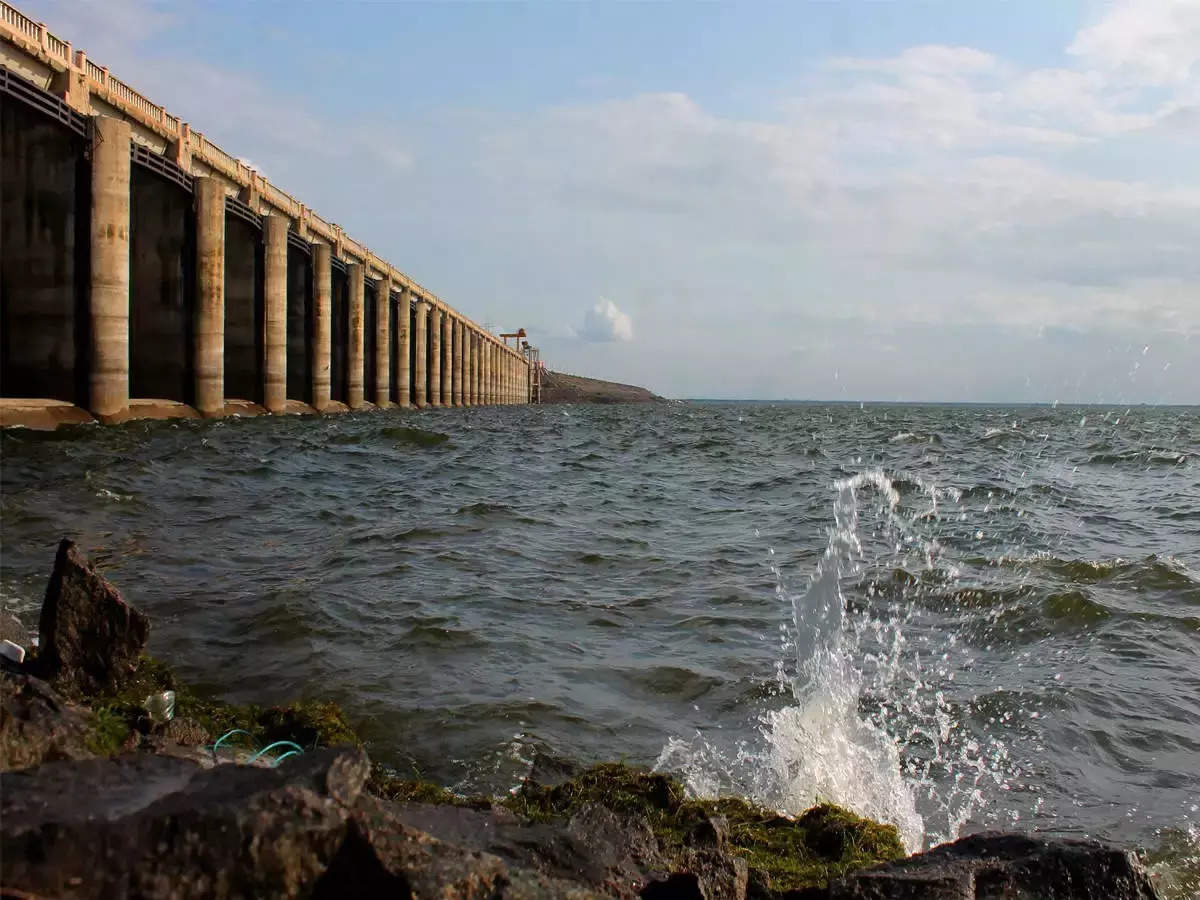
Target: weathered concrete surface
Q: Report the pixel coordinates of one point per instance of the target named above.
(208, 330)
(460, 363)
(472, 367)
(40, 414)
(435, 357)
(155, 408)
(447, 360)
(421, 360)
(244, 408)
(322, 325)
(109, 304)
(355, 358)
(404, 349)
(298, 408)
(275, 290)
(383, 343)
(560, 388)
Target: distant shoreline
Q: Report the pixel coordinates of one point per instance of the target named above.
(558, 387)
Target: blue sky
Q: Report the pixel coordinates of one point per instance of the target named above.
(941, 201)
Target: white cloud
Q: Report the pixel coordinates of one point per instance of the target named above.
(605, 322)
(1156, 42)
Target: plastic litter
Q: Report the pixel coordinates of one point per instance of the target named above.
(12, 651)
(254, 757)
(160, 706)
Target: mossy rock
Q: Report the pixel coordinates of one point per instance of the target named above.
(783, 854)
(309, 723)
(390, 786)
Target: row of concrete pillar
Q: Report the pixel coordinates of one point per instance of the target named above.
(461, 366)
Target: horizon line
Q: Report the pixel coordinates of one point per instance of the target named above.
(1052, 404)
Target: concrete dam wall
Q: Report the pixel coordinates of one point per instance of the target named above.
(144, 272)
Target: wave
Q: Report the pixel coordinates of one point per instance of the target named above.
(414, 437)
(1153, 572)
(914, 437)
(1153, 456)
(995, 435)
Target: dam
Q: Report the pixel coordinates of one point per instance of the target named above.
(147, 273)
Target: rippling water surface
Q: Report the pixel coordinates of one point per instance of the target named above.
(953, 617)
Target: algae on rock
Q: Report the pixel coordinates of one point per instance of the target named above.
(309, 723)
(783, 854)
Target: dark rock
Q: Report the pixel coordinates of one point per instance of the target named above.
(383, 857)
(37, 725)
(549, 770)
(91, 639)
(680, 886)
(593, 852)
(146, 826)
(992, 866)
(702, 875)
(710, 831)
(595, 848)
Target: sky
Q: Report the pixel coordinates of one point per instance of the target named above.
(944, 201)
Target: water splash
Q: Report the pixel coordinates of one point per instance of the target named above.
(869, 725)
(822, 748)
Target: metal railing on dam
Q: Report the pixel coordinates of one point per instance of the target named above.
(144, 271)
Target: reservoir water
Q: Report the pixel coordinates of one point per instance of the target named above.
(950, 617)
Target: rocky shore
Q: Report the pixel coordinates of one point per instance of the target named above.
(116, 780)
(560, 388)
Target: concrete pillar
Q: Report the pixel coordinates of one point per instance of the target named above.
(469, 366)
(108, 379)
(275, 258)
(460, 364)
(383, 343)
(479, 363)
(435, 356)
(322, 294)
(497, 362)
(475, 401)
(465, 342)
(493, 361)
(354, 355)
(453, 351)
(489, 371)
(403, 348)
(455, 358)
(208, 330)
(485, 370)
(420, 324)
(447, 360)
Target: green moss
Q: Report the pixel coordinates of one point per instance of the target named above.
(386, 784)
(108, 733)
(783, 854)
(310, 723)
